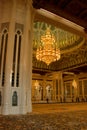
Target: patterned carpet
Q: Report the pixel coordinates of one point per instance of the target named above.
(52, 121)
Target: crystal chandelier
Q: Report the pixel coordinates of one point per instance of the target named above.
(48, 52)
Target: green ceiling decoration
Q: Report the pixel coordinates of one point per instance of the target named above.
(64, 40)
(73, 48)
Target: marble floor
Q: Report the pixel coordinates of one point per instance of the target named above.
(71, 116)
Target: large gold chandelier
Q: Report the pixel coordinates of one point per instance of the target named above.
(48, 51)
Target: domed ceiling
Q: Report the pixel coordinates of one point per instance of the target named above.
(67, 42)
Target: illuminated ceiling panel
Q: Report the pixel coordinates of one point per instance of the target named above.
(65, 40)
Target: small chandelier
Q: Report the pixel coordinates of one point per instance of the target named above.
(48, 52)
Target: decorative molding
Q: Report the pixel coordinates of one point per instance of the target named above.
(19, 26)
(67, 61)
(4, 25)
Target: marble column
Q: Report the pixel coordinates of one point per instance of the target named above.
(59, 78)
(26, 62)
(44, 89)
(61, 86)
(7, 101)
(82, 90)
(54, 89)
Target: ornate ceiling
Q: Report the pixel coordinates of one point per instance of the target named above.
(73, 10)
(66, 41)
(73, 54)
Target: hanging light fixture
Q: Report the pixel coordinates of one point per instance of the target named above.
(48, 51)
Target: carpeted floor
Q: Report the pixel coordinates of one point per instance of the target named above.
(51, 121)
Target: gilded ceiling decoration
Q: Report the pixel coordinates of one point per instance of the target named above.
(66, 41)
(73, 10)
(75, 58)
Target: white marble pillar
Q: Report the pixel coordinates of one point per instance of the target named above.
(82, 90)
(7, 99)
(54, 89)
(26, 61)
(44, 89)
(60, 78)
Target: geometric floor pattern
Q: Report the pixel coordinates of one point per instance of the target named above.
(48, 120)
